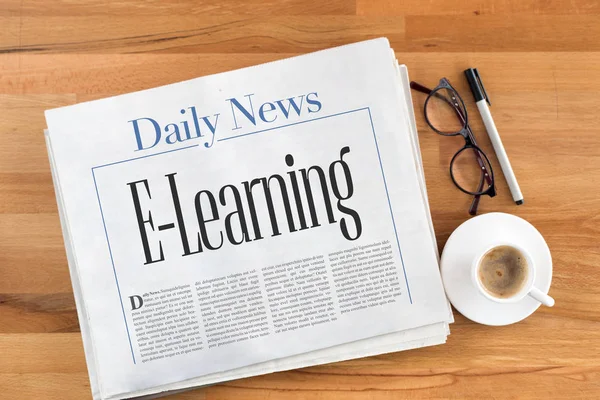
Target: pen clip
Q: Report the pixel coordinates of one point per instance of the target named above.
(479, 81)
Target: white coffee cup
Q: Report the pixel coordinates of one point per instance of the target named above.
(528, 288)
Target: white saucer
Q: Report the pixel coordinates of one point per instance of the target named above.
(475, 235)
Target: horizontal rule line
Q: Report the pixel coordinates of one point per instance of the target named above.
(146, 156)
(291, 124)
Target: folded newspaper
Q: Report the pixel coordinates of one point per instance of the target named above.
(258, 220)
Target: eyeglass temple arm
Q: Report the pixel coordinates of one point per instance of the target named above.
(476, 198)
(419, 88)
(484, 178)
(474, 205)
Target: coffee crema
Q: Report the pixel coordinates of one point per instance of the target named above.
(503, 271)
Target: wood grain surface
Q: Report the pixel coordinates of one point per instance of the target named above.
(540, 60)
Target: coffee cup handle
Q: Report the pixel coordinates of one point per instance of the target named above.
(541, 297)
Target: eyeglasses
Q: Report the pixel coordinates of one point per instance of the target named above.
(470, 169)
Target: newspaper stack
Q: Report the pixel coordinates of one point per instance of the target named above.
(259, 220)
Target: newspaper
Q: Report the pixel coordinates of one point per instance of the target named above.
(263, 219)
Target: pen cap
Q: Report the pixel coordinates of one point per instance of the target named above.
(476, 85)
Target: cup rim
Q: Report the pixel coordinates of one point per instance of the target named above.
(526, 287)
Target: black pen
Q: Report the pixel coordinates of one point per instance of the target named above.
(481, 98)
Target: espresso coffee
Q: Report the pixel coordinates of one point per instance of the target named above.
(503, 271)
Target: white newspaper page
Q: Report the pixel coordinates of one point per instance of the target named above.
(392, 342)
(245, 217)
(397, 341)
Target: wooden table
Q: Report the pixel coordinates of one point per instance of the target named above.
(541, 64)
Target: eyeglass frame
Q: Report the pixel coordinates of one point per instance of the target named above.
(467, 134)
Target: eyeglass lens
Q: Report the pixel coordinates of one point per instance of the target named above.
(443, 111)
(467, 170)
